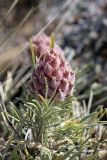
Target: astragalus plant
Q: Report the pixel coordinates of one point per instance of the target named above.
(43, 126)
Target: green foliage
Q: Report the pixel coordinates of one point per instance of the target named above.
(45, 131)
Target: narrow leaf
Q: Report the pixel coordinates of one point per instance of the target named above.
(43, 101)
(52, 40)
(88, 117)
(46, 88)
(33, 53)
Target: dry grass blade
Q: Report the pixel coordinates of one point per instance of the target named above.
(66, 15)
(9, 11)
(20, 83)
(6, 61)
(20, 74)
(11, 34)
(54, 17)
(90, 101)
(100, 101)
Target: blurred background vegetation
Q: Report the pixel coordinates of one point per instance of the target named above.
(79, 28)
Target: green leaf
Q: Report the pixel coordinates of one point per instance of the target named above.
(68, 153)
(37, 104)
(12, 116)
(67, 103)
(34, 107)
(14, 154)
(33, 54)
(102, 122)
(8, 143)
(52, 98)
(52, 40)
(1, 158)
(88, 117)
(92, 157)
(51, 112)
(33, 111)
(45, 153)
(43, 101)
(14, 111)
(76, 154)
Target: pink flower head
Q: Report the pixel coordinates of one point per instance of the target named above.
(51, 65)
